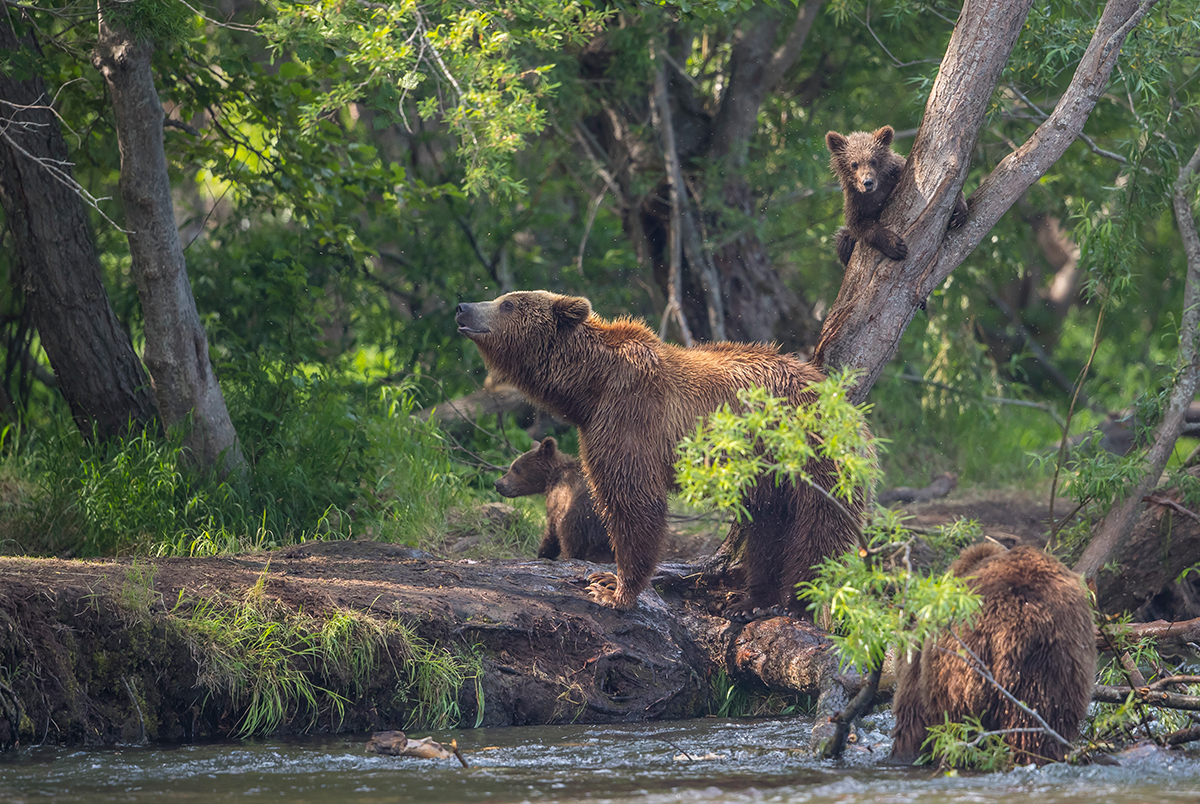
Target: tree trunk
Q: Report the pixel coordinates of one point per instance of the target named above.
(879, 297)
(98, 372)
(753, 302)
(176, 344)
(1115, 528)
(758, 305)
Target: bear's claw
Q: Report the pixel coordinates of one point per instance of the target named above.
(605, 589)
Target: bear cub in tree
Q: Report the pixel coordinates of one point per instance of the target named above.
(1035, 635)
(572, 527)
(868, 170)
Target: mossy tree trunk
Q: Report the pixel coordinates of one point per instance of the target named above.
(176, 343)
(58, 271)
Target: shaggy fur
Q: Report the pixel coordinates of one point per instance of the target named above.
(868, 170)
(1035, 635)
(633, 398)
(572, 527)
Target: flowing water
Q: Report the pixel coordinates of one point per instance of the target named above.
(687, 762)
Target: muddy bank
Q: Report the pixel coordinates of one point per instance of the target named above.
(130, 651)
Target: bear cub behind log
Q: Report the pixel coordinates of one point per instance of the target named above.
(1035, 635)
(573, 530)
(868, 170)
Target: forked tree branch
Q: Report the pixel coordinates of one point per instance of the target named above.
(879, 297)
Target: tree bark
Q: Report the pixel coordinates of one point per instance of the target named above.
(758, 305)
(176, 344)
(879, 297)
(753, 302)
(98, 372)
(1115, 528)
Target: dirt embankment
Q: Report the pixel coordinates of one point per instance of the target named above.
(109, 651)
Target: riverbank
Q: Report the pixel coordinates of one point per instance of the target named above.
(347, 636)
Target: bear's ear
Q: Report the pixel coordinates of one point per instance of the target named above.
(549, 445)
(883, 136)
(835, 142)
(572, 311)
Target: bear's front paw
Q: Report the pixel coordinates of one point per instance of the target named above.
(606, 589)
(845, 245)
(894, 247)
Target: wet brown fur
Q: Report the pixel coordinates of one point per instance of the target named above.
(573, 529)
(1035, 635)
(868, 170)
(633, 398)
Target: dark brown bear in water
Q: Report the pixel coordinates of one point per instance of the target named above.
(573, 528)
(868, 170)
(633, 398)
(1034, 633)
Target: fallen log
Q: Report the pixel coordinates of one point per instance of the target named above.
(108, 651)
(1163, 543)
(941, 486)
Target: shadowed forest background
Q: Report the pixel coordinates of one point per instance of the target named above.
(343, 174)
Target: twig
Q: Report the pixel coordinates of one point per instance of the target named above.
(1172, 505)
(845, 718)
(593, 208)
(981, 669)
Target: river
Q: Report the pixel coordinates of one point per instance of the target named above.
(683, 762)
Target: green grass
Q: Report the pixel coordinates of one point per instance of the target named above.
(338, 461)
(276, 666)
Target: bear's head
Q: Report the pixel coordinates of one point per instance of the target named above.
(858, 158)
(530, 472)
(517, 332)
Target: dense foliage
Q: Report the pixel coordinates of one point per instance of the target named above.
(344, 173)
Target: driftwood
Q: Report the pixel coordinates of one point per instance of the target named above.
(942, 485)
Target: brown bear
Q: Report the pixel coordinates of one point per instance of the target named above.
(573, 529)
(633, 398)
(868, 170)
(1035, 635)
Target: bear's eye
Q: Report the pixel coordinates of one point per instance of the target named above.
(506, 307)
(854, 166)
(873, 163)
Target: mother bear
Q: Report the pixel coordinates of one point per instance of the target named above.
(633, 398)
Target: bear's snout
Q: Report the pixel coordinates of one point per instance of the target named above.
(469, 319)
(868, 185)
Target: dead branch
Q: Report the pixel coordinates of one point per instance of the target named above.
(1161, 631)
(1104, 693)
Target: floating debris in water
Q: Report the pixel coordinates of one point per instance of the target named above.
(397, 744)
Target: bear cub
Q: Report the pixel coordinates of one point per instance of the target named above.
(868, 170)
(573, 530)
(1035, 635)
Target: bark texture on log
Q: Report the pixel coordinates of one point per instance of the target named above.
(176, 343)
(548, 654)
(98, 372)
(879, 297)
(1161, 544)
